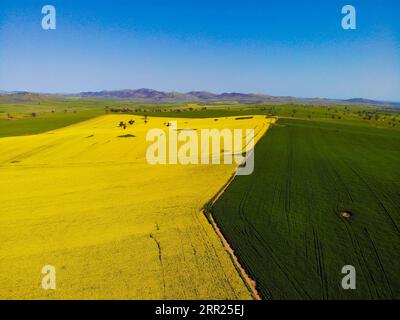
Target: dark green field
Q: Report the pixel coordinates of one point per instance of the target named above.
(284, 221)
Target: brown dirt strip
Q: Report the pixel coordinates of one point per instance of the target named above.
(250, 283)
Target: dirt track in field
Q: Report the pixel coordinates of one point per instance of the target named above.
(250, 283)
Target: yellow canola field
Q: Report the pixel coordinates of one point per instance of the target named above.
(87, 202)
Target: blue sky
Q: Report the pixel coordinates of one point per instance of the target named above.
(281, 47)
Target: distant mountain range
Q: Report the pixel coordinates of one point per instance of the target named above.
(161, 96)
(231, 97)
(154, 96)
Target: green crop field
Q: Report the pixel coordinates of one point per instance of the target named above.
(284, 221)
(37, 124)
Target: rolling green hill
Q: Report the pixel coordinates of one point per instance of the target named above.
(24, 114)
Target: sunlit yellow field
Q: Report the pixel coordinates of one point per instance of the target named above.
(85, 200)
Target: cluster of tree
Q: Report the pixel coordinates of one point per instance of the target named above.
(121, 110)
(123, 124)
(158, 110)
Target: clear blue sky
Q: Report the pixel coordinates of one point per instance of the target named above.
(283, 47)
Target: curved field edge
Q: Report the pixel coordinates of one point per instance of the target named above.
(284, 223)
(207, 211)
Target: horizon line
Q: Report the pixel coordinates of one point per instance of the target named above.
(191, 91)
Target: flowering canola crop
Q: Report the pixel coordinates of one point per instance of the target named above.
(85, 200)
